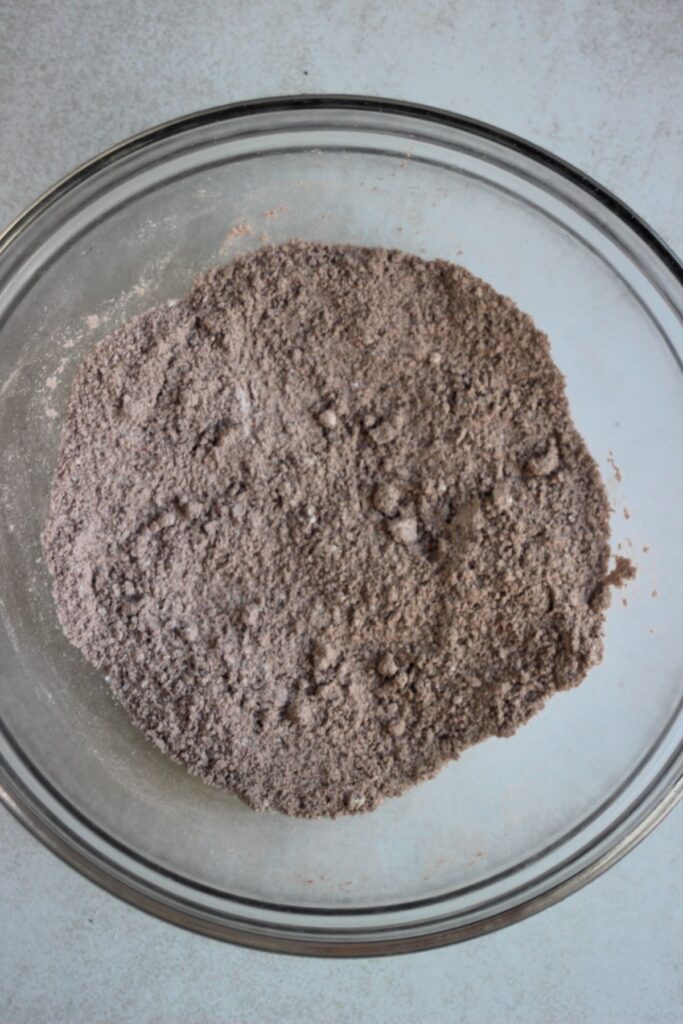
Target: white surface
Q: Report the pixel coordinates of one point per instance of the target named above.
(600, 85)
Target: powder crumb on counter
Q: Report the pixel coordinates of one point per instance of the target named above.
(326, 522)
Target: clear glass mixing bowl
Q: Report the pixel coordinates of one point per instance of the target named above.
(514, 825)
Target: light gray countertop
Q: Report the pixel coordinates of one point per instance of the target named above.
(599, 84)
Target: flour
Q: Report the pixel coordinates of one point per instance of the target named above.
(326, 522)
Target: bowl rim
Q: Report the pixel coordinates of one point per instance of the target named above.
(38, 819)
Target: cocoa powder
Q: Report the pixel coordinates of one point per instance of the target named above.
(327, 522)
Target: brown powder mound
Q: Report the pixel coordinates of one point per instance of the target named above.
(327, 522)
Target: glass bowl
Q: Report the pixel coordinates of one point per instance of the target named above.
(516, 824)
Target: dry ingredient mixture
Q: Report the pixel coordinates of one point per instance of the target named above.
(326, 522)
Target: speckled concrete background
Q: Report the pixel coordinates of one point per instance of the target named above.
(600, 84)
